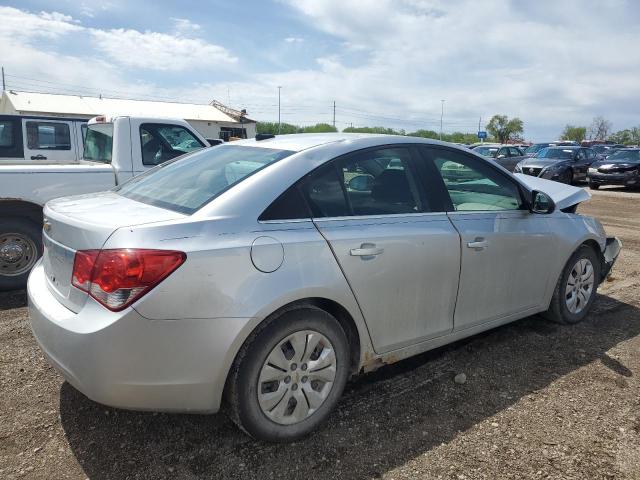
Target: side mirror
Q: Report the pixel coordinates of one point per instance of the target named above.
(541, 203)
(502, 155)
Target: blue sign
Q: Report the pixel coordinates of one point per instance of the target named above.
(482, 134)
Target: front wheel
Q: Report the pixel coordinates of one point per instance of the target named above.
(289, 375)
(20, 248)
(593, 186)
(576, 289)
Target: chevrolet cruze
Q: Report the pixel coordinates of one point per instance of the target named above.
(259, 276)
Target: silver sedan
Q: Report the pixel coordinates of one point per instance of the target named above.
(259, 276)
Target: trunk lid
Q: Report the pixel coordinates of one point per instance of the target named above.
(85, 222)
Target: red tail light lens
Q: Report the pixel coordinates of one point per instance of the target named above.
(117, 278)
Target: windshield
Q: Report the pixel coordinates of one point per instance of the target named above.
(186, 184)
(98, 142)
(486, 151)
(555, 153)
(625, 156)
(536, 148)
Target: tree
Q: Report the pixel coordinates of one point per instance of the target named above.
(628, 136)
(573, 133)
(319, 128)
(600, 129)
(272, 128)
(504, 129)
(379, 130)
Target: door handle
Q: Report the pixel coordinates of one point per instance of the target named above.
(38, 157)
(366, 250)
(478, 244)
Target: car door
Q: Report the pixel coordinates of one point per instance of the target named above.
(580, 165)
(400, 258)
(49, 140)
(505, 250)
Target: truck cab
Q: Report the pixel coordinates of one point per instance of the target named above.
(95, 156)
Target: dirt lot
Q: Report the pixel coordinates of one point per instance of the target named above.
(540, 401)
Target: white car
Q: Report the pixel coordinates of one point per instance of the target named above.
(265, 273)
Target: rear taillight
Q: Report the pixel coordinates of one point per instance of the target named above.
(117, 278)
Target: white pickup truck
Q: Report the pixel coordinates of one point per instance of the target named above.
(104, 153)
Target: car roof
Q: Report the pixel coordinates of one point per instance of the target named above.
(303, 141)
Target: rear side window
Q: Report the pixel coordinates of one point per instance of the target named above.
(98, 142)
(288, 206)
(11, 138)
(187, 184)
(372, 182)
(48, 136)
(163, 142)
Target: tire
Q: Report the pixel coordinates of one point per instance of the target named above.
(253, 404)
(559, 310)
(593, 186)
(567, 177)
(20, 248)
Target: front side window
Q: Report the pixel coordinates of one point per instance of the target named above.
(163, 142)
(48, 136)
(187, 184)
(372, 182)
(474, 186)
(98, 142)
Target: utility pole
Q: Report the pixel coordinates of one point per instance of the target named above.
(479, 123)
(334, 114)
(441, 115)
(3, 85)
(279, 88)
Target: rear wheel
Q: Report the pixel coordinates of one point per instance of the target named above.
(289, 375)
(576, 288)
(20, 248)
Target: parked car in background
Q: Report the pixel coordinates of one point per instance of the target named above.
(114, 150)
(562, 164)
(620, 168)
(532, 150)
(507, 156)
(267, 272)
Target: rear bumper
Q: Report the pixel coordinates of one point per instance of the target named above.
(125, 360)
(610, 255)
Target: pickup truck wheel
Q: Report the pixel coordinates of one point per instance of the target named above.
(576, 289)
(289, 375)
(20, 248)
(593, 186)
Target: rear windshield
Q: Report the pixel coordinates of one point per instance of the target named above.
(186, 184)
(98, 142)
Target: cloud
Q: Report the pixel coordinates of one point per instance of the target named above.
(159, 51)
(293, 39)
(184, 26)
(126, 47)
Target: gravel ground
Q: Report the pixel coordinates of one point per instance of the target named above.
(539, 401)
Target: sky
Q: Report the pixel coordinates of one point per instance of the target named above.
(383, 62)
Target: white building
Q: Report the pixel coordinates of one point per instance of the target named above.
(213, 121)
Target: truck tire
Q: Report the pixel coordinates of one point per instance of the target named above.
(289, 375)
(20, 248)
(593, 186)
(576, 289)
